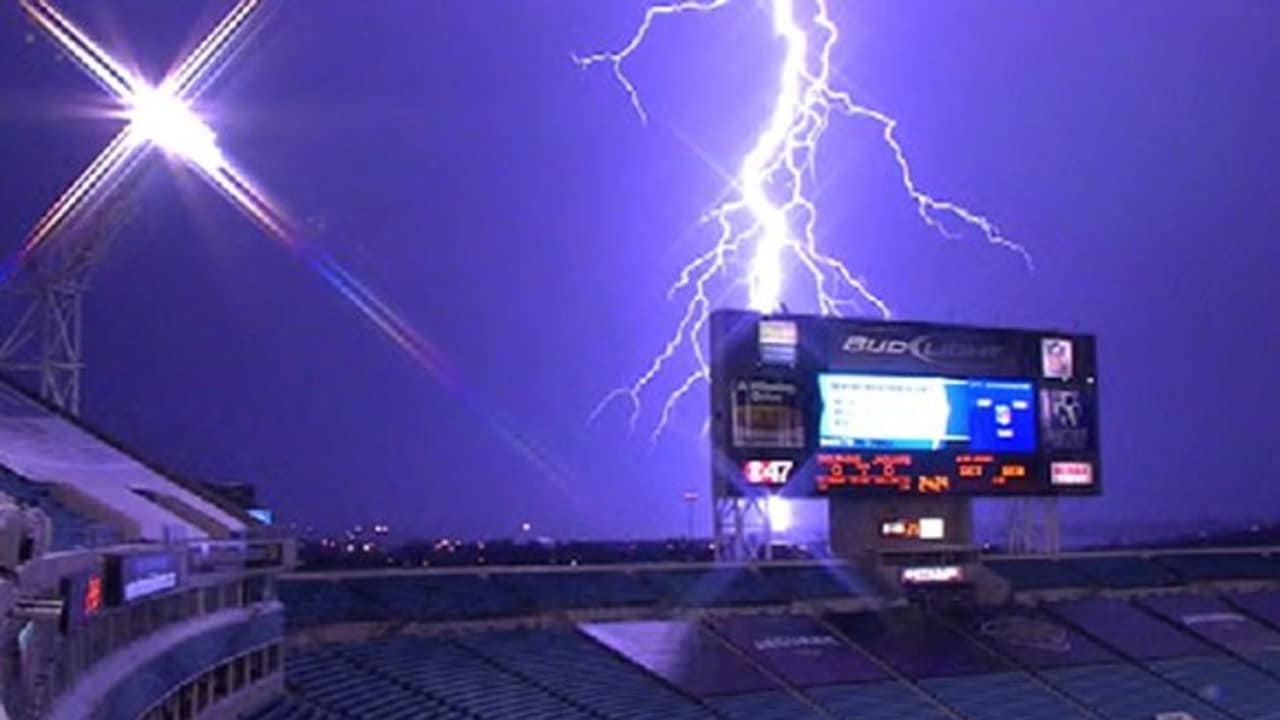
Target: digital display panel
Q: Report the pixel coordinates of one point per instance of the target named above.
(900, 408)
(925, 413)
(135, 576)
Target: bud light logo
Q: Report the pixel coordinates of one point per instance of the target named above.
(926, 348)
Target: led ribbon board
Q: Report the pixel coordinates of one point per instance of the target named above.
(900, 408)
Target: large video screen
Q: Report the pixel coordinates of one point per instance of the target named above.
(889, 412)
(815, 404)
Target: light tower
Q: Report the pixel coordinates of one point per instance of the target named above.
(45, 344)
(50, 275)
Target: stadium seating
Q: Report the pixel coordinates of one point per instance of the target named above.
(1037, 574)
(589, 675)
(1120, 691)
(330, 681)
(877, 701)
(547, 592)
(70, 529)
(1193, 567)
(768, 705)
(291, 708)
(460, 679)
(438, 597)
(1100, 657)
(816, 582)
(713, 587)
(1225, 683)
(1122, 571)
(999, 696)
(318, 602)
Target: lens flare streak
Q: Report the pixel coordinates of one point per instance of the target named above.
(770, 217)
(161, 116)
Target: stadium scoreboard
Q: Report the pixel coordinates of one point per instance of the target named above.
(810, 405)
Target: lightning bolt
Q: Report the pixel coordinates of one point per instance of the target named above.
(769, 216)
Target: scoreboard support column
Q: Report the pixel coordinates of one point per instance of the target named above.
(1034, 526)
(741, 528)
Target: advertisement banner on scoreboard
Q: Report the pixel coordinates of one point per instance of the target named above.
(805, 406)
(910, 348)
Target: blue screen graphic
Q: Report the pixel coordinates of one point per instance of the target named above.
(891, 412)
(1001, 416)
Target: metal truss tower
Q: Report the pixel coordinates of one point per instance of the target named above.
(44, 346)
(741, 528)
(1034, 526)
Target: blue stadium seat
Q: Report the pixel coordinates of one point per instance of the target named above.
(445, 671)
(1123, 571)
(570, 591)
(71, 530)
(452, 596)
(1037, 574)
(816, 582)
(770, 705)
(1224, 682)
(330, 681)
(1195, 567)
(318, 602)
(1120, 691)
(714, 587)
(1001, 696)
(877, 701)
(589, 675)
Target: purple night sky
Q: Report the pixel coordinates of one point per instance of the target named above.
(514, 209)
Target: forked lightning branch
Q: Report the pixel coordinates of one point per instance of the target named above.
(769, 221)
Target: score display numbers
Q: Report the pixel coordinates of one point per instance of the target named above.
(933, 474)
(817, 405)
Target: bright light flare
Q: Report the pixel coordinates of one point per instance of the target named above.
(770, 217)
(174, 127)
(781, 515)
(161, 116)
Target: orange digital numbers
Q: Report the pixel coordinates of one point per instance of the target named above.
(934, 484)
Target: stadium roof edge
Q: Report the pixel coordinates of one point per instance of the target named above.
(102, 437)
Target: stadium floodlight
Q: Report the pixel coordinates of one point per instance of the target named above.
(158, 116)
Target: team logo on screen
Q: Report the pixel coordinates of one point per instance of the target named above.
(1056, 356)
(1064, 419)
